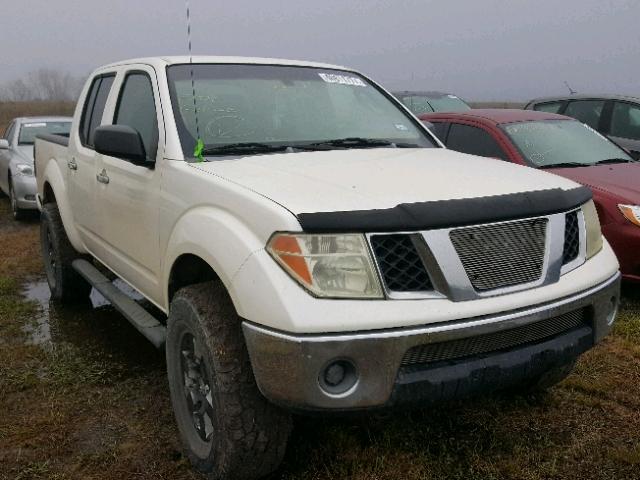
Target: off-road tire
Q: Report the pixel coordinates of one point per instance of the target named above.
(17, 212)
(66, 285)
(249, 434)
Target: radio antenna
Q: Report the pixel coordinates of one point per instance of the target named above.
(571, 90)
(199, 148)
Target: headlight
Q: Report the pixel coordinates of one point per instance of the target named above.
(24, 169)
(631, 213)
(328, 265)
(592, 226)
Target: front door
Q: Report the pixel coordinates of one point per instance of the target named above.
(128, 194)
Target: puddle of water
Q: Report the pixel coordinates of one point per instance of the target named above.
(56, 323)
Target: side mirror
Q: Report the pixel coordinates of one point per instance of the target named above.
(121, 141)
(4, 144)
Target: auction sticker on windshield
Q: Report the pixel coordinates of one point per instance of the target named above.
(342, 79)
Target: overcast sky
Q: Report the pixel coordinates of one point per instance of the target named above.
(479, 49)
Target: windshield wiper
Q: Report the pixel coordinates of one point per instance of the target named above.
(615, 160)
(246, 147)
(564, 165)
(353, 142)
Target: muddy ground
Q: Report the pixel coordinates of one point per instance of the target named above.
(83, 395)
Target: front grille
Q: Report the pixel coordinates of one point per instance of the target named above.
(571, 238)
(400, 264)
(493, 342)
(501, 255)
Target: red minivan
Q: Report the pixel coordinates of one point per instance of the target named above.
(563, 146)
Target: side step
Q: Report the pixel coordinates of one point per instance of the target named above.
(144, 322)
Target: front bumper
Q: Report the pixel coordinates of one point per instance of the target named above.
(25, 189)
(624, 239)
(289, 368)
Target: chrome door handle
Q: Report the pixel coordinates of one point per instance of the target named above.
(72, 164)
(102, 177)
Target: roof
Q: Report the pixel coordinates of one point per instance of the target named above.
(497, 115)
(174, 60)
(583, 96)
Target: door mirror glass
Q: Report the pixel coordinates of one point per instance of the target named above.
(4, 145)
(121, 141)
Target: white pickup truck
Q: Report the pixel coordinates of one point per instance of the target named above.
(314, 248)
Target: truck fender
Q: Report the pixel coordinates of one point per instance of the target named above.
(216, 237)
(53, 177)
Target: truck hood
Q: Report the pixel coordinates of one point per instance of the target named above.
(342, 180)
(619, 179)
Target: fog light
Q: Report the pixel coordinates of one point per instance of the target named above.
(338, 377)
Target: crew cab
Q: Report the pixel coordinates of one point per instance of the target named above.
(335, 261)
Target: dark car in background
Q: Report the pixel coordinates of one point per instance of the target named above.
(564, 146)
(617, 116)
(428, 102)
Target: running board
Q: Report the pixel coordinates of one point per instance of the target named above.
(145, 323)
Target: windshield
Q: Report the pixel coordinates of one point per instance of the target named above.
(420, 104)
(29, 131)
(285, 106)
(560, 142)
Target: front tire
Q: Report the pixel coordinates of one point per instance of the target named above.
(66, 285)
(228, 429)
(18, 213)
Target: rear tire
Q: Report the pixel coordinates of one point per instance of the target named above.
(66, 285)
(18, 213)
(228, 429)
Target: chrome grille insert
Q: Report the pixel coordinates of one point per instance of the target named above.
(492, 342)
(503, 254)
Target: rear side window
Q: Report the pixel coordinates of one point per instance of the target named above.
(549, 107)
(587, 111)
(625, 121)
(475, 141)
(94, 108)
(137, 109)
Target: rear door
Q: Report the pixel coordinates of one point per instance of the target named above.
(82, 161)
(623, 126)
(128, 194)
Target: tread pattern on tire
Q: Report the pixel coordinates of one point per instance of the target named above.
(70, 286)
(255, 431)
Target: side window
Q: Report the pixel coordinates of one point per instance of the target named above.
(625, 121)
(550, 107)
(587, 111)
(94, 107)
(473, 140)
(439, 129)
(137, 109)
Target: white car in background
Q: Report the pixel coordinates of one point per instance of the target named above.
(17, 178)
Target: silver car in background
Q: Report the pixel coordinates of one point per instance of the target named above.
(16, 158)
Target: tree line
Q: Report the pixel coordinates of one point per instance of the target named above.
(44, 84)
